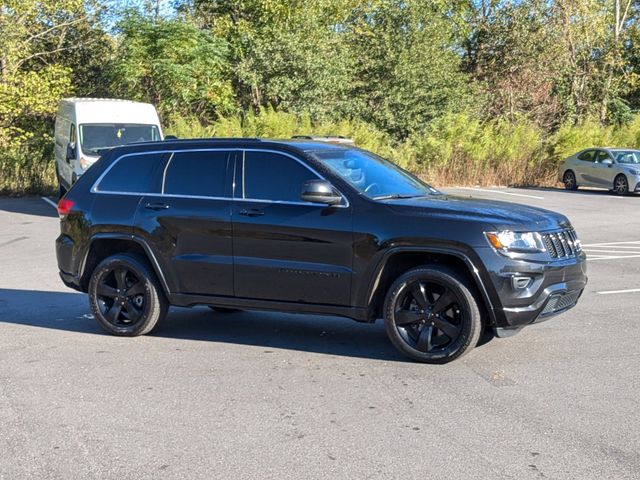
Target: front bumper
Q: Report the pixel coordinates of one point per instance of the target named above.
(554, 287)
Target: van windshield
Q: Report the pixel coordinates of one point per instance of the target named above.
(96, 137)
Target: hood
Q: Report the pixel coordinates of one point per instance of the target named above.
(502, 215)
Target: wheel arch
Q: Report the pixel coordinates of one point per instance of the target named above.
(399, 260)
(103, 245)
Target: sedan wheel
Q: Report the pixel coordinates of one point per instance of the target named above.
(431, 316)
(569, 180)
(620, 185)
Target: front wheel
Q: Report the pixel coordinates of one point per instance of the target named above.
(125, 296)
(431, 316)
(621, 185)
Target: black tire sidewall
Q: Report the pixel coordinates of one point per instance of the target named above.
(575, 181)
(615, 181)
(154, 307)
(471, 320)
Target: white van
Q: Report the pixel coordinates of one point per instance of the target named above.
(85, 127)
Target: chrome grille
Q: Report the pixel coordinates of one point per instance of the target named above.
(562, 244)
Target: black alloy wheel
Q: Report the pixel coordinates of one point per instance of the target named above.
(431, 315)
(125, 296)
(569, 180)
(621, 185)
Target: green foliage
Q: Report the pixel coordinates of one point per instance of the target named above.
(181, 69)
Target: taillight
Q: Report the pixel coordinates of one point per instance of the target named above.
(64, 206)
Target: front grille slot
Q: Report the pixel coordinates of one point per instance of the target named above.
(561, 302)
(561, 244)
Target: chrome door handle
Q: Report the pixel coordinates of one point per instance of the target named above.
(156, 206)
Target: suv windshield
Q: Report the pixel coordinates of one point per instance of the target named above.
(96, 137)
(373, 176)
(627, 156)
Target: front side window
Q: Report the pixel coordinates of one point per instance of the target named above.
(97, 137)
(201, 174)
(133, 174)
(272, 176)
(601, 156)
(371, 175)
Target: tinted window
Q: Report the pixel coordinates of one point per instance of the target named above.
(200, 174)
(271, 176)
(133, 174)
(602, 156)
(587, 156)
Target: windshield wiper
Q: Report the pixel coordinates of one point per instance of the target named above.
(393, 196)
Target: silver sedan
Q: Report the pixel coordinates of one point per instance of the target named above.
(616, 169)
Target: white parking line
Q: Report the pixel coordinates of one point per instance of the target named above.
(633, 242)
(50, 202)
(503, 193)
(610, 292)
(610, 257)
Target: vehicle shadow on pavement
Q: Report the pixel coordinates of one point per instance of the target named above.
(27, 206)
(69, 311)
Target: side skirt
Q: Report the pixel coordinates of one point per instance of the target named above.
(186, 300)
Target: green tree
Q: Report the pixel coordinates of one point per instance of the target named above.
(171, 63)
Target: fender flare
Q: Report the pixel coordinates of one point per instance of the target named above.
(474, 268)
(131, 238)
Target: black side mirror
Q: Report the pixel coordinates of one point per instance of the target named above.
(319, 191)
(71, 152)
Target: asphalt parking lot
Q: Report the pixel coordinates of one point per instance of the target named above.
(264, 395)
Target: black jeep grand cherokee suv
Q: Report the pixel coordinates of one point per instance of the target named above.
(303, 226)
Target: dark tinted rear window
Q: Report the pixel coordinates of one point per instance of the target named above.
(201, 174)
(272, 176)
(133, 174)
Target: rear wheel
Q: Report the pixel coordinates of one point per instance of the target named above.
(125, 296)
(431, 315)
(621, 185)
(569, 180)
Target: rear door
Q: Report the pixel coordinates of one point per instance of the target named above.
(188, 222)
(584, 167)
(286, 249)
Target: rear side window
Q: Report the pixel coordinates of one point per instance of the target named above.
(200, 174)
(587, 156)
(602, 156)
(272, 176)
(133, 174)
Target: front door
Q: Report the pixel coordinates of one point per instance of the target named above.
(603, 173)
(189, 221)
(286, 249)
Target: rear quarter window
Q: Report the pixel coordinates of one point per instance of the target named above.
(136, 173)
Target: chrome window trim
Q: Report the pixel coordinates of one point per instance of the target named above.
(96, 190)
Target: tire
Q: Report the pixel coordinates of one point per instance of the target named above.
(569, 180)
(620, 185)
(139, 312)
(416, 323)
(224, 309)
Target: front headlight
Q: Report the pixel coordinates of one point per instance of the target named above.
(508, 241)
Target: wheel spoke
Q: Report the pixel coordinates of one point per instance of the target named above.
(418, 292)
(424, 340)
(136, 289)
(448, 328)
(105, 290)
(444, 300)
(121, 278)
(132, 311)
(113, 313)
(407, 317)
